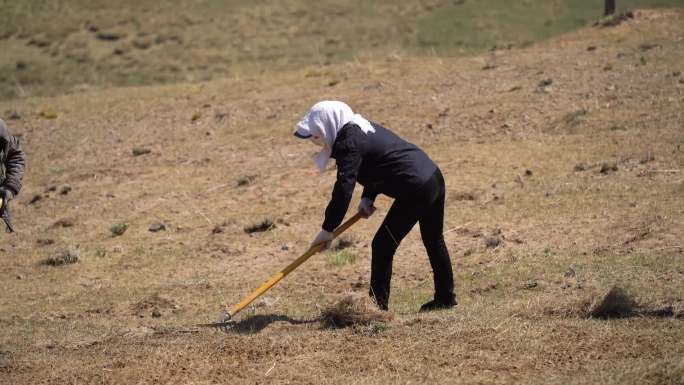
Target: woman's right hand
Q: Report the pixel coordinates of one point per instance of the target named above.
(366, 208)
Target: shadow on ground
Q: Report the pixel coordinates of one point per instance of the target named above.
(257, 323)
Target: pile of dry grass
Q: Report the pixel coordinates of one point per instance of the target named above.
(616, 303)
(353, 310)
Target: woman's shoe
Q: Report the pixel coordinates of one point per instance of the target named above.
(437, 305)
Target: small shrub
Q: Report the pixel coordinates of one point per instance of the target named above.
(575, 118)
(118, 229)
(48, 113)
(493, 242)
(375, 328)
(45, 241)
(63, 257)
(341, 258)
(608, 167)
(246, 180)
(615, 19)
(140, 151)
(265, 225)
(581, 167)
(159, 226)
(64, 223)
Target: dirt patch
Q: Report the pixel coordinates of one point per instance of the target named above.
(45, 241)
(154, 306)
(63, 223)
(464, 195)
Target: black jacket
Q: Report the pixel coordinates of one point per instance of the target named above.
(382, 162)
(12, 161)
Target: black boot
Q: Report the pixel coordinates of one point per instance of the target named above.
(437, 304)
(382, 305)
(380, 301)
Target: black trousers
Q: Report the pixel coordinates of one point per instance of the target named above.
(426, 207)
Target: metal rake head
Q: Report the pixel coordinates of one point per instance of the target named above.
(224, 323)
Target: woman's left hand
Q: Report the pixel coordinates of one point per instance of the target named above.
(324, 237)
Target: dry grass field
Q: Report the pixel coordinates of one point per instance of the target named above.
(563, 163)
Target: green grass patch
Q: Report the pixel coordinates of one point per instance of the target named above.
(474, 26)
(50, 50)
(118, 229)
(341, 258)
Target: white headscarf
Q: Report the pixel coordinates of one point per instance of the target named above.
(324, 121)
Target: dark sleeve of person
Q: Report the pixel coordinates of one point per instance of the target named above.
(348, 163)
(14, 165)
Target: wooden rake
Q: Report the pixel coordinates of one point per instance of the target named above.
(226, 320)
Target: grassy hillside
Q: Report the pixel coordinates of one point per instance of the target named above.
(563, 164)
(57, 46)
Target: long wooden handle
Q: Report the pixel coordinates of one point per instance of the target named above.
(287, 270)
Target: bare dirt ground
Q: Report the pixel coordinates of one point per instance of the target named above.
(563, 163)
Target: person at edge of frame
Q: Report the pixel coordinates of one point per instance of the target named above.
(12, 166)
(383, 163)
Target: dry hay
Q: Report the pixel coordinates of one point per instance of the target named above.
(576, 307)
(353, 310)
(617, 303)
